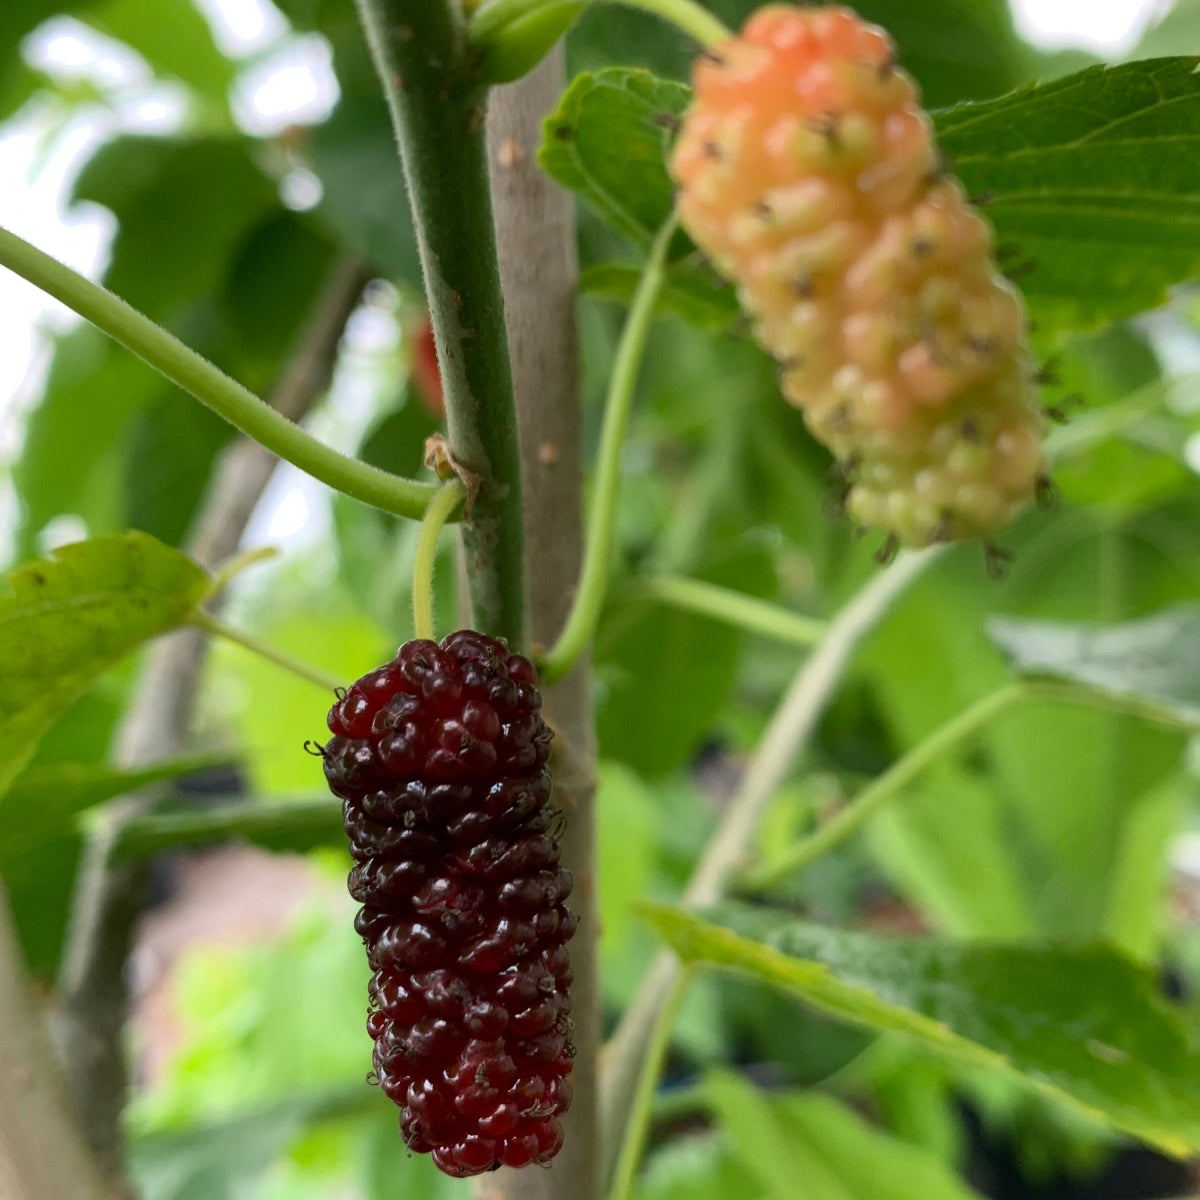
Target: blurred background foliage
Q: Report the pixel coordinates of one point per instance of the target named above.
(1058, 824)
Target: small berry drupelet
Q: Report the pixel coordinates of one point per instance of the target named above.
(440, 758)
(808, 173)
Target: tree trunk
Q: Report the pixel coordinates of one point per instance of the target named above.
(535, 230)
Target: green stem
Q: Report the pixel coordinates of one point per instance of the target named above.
(734, 608)
(430, 77)
(694, 20)
(214, 625)
(593, 579)
(233, 567)
(642, 1107)
(298, 824)
(491, 19)
(1097, 425)
(436, 515)
(211, 386)
(888, 786)
(785, 737)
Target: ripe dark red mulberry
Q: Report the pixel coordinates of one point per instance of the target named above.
(809, 175)
(440, 758)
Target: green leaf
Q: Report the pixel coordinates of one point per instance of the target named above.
(42, 802)
(658, 717)
(815, 1138)
(65, 620)
(169, 449)
(1085, 1024)
(249, 328)
(1155, 659)
(1137, 916)
(187, 201)
(223, 1159)
(951, 844)
(702, 302)
(173, 38)
(392, 1174)
(1094, 179)
(693, 1166)
(765, 1147)
(956, 49)
(276, 711)
(82, 435)
(608, 141)
(629, 817)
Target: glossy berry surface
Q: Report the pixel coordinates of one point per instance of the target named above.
(439, 758)
(808, 173)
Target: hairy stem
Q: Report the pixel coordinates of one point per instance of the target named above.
(436, 515)
(786, 736)
(429, 74)
(210, 385)
(589, 598)
(891, 784)
(734, 608)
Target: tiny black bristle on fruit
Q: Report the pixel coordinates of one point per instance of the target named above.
(439, 757)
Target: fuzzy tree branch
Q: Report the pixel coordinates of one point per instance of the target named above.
(430, 78)
(109, 896)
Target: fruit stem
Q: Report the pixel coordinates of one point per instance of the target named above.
(734, 608)
(593, 579)
(430, 75)
(440, 507)
(890, 785)
(210, 385)
(214, 625)
(642, 1108)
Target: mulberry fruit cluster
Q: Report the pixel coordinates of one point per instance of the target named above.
(809, 175)
(440, 758)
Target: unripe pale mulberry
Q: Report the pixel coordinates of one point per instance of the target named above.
(440, 758)
(808, 173)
